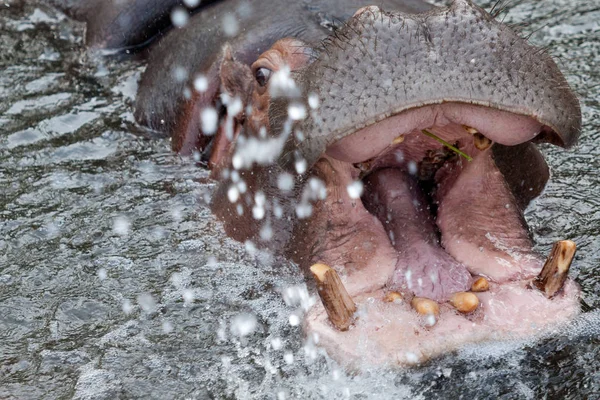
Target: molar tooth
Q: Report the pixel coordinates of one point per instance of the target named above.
(481, 142)
(392, 297)
(470, 130)
(336, 300)
(480, 285)
(464, 302)
(555, 271)
(425, 306)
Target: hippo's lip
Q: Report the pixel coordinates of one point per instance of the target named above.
(435, 232)
(500, 126)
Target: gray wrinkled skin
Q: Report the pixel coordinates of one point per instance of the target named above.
(383, 63)
(161, 94)
(72, 163)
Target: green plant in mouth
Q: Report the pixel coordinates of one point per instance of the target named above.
(448, 145)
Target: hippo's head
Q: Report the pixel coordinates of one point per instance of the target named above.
(400, 152)
(392, 155)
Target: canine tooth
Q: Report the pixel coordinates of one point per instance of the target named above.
(398, 140)
(555, 271)
(391, 297)
(336, 300)
(481, 142)
(425, 306)
(470, 130)
(480, 285)
(464, 302)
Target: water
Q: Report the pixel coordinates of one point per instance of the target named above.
(116, 281)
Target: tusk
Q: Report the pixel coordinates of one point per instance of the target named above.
(336, 300)
(555, 271)
(481, 142)
(464, 302)
(480, 285)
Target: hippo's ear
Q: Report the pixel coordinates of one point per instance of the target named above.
(205, 124)
(236, 77)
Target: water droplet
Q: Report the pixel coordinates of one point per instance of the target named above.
(285, 182)
(296, 112)
(412, 168)
(179, 17)
(294, 320)
(209, 119)
(430, 320)
(146, 301)
(201, 83)
(188, 296)
(313, 101)
(233, 194)
(191, 3)
(288, 358)
(300, 166)
(266, 232)
(276, 343)
(167, 327)
(180, 74)
(234, 107)
(412, 358)
(355, 189)
(230, 25)
(243, 324)
(258, 212)
(121, 226)
(127, 307)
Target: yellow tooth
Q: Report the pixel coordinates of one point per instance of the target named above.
(336, 300)
(464, 302)
(425, 306)
(398, 140)
(556, 269)
(481, 142)
(480, 285)
(470, 130)
(392, 297)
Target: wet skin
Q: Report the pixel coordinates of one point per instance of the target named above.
(304, 113)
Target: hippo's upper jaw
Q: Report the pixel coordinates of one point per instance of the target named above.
(418, 133)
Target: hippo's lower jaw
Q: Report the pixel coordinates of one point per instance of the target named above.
(427, 224)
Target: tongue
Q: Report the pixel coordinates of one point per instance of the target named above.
(423, 268)
(480, 220)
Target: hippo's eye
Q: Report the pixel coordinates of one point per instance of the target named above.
(262, 75)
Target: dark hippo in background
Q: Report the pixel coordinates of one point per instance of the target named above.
(324, 121)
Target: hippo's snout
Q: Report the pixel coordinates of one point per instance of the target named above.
(384, 63)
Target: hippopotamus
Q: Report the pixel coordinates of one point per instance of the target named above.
(389, 150)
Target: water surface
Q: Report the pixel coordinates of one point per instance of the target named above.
(116, 281)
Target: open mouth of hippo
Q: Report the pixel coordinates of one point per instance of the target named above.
(423, 214)
(429, 238)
